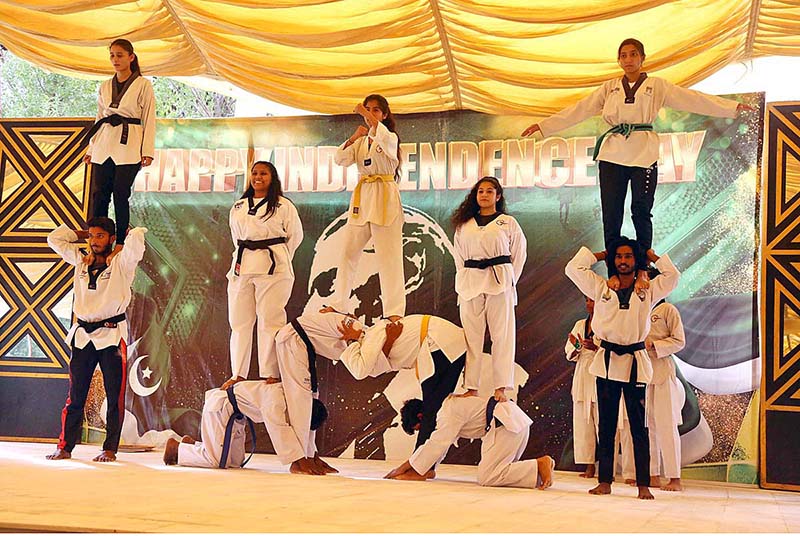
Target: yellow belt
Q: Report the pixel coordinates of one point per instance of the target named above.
(370, 179)
(423, 333)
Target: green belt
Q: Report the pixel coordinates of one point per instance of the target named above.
(623, 128)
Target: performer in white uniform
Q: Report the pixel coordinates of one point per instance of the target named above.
(621, 321)
(122, 140)
(503, 429)
(580, 348)
(375, 210)
(102, 294)
(629, 151)
(266, 231)
(432, 346)
(257, 400)
(490, 251)
(297, 345)
(665, 395)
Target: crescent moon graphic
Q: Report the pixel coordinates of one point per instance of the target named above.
(136, 385)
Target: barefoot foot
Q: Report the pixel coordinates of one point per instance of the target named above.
(305, 466)
(545, 464)
(589, 472)
(171, 451)
(644, 493)
(603, 488)
(105, 456)
(59, 454)
(674, 484)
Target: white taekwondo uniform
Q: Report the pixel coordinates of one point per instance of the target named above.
(584, 395)
(264, 282)
(487, 295)
(257, 400)
(501, 445)
(375, 212)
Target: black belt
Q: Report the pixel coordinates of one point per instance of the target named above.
(115, 120)
(622, 349)
(312, 354)
(237, 415)
(486, 263)
(490, 405)
(110, 322)
(257, 244)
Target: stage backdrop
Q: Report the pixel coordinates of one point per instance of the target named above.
(705, 217)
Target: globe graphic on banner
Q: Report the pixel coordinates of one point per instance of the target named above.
(426, 251)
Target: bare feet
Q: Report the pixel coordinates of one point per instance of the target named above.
(305, 466)
(630, 481)
(322, 464)
(545, 464)
(588, 472)
(105, 456)
(603, 488)
(232, 381)
(189, 440)
(171, 451)
(644, 493)
(655, 481)
(327, 309)
(270, 380)
(59, 454)
(500, 395)
(674, 484)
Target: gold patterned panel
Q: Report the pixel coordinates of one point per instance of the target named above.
(780, 298)
(43, 185)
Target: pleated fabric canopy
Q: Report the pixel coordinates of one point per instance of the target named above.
(495, 56)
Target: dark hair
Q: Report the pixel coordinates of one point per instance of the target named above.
(127, 46)
(106, 224)
(631, 41)
(274, 192)
(638, 255)
(319, 413)
(388, 122)
(469, 208)
(410, 415)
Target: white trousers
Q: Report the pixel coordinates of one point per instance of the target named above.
(496, 311)
(388, 243)
(296, 379)
(212, 431)
(262, 298)
(500, 454)
(584, 432)
(664, 404)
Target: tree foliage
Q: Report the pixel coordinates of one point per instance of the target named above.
(28, 91)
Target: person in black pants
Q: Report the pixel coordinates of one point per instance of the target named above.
(102, 294)
(621, 322)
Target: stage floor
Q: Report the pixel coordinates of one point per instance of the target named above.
(139, 494)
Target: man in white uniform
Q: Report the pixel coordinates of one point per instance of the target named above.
(223, 427)
(102, 294)
(503, 429)
(622, 321)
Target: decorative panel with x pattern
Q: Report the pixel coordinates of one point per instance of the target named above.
(43, 183)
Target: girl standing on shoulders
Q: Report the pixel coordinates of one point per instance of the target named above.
(122, 140)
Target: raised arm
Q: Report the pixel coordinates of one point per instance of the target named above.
(583, 109)
(662, 285)
(689, 100)
(64, 241)
(579, 270)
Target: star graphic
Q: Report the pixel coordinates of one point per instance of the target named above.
(146, 373)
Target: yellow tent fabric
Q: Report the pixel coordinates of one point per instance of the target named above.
(495, 56)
